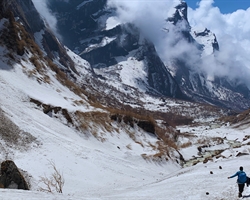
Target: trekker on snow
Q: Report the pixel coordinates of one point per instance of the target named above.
(242, 178)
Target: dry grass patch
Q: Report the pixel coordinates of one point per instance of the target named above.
(15, 37)
(236, 117)
(62, 77)
(218, 140)
(166, 134)
(185, 145)
(101, 120)
(152, 146)
(131, 135)
(140, 143)
(203, 141)
(35, 61)
(79, 102)
(162, 152)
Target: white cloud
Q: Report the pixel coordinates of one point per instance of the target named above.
(148, 15)
(46, 14)
(232, 31)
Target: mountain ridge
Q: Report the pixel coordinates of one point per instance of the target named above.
(191, 80)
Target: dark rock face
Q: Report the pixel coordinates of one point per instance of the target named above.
(28, 14)
(215, 44)
(78, 21)
(125, 39)
(158, 76)
(25, 12)
(82, 25)
(181, 16)
(11, 176)
(180, 13)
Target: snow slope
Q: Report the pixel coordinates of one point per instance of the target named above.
(104, 170)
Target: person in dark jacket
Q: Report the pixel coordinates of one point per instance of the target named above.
(242, 179)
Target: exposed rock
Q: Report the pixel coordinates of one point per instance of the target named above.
(180, 13)
(11, 176)
(51, 110)
(241, 154)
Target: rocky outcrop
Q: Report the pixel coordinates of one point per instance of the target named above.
(11, 176)
(180, 13)
(115, 42)
(207, 39)
(78, 22)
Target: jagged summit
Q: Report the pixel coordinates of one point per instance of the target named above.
(179, 12)
(207, 39)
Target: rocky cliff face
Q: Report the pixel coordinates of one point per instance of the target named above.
(85, 27)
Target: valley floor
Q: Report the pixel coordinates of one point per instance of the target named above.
(193, 183)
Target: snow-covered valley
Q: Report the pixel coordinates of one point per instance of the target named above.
(108, 131)
(113, 168)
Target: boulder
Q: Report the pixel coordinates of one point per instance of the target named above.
(10, 176)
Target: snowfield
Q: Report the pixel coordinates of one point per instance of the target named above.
(112, 169)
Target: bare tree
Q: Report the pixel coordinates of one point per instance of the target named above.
(47, 184)
(53, 183)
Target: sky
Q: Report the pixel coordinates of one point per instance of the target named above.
(225, 6)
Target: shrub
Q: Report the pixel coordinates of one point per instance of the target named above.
(35, 61)
(53, 183)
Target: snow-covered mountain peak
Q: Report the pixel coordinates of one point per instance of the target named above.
(207, 39)
(179, 12)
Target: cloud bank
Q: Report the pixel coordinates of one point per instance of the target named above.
(232, 32)
(46, 14)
